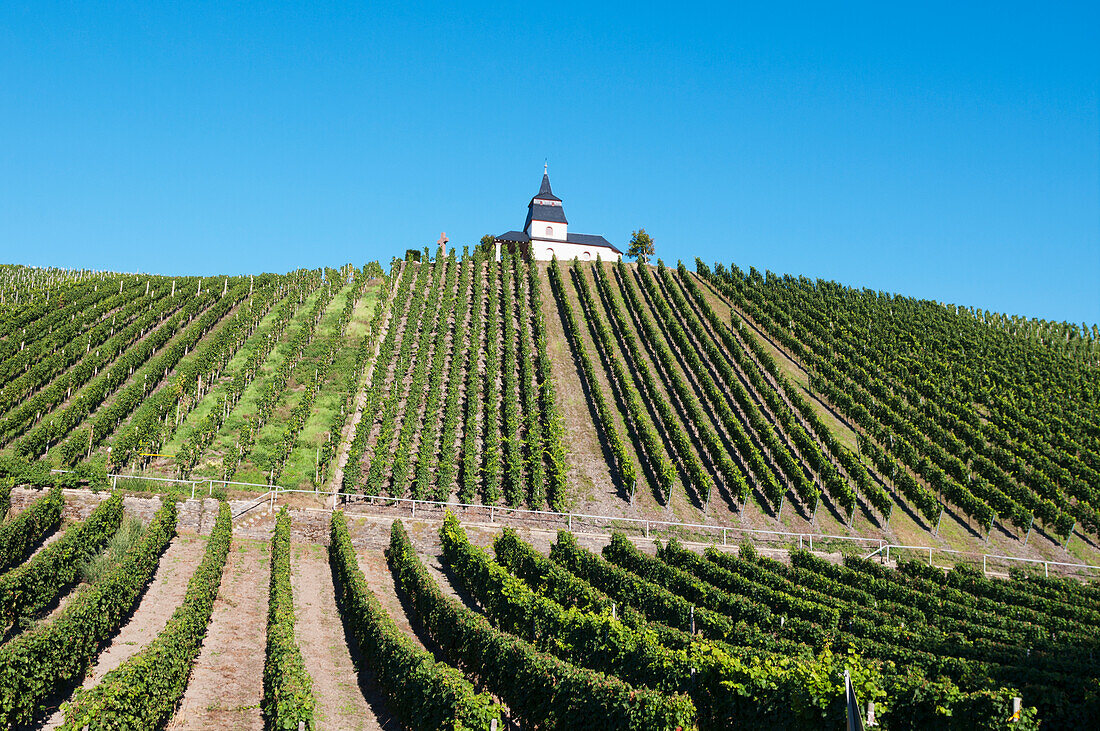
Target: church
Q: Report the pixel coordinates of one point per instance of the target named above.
(546, 234)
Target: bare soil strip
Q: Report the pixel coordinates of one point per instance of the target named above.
(227, 683)
(161, 598)
(591, 486)
(377, 572)
(320, 634)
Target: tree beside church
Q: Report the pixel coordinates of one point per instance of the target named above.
(641, 246)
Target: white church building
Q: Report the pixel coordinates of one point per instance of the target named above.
(546, 234)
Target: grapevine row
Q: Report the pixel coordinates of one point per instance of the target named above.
(272, 391)
(148, 411)
(35, 584)
(492, 390)
(288, 690)
(783, 399)
(364, 356)
(25, 373)
(533, 457)
(142, 358)
(429, 461)
(45, 659)
(681, 443)
(143, 692)
(512, 436)
(551, 422)
(396, 458)
(298, 416)
(382, 455)
(381, 365)
(647, 441)
(50, 396)
(770, 691)
(425, 693)
(539, 689)
(473, 387)
(714, 448)
(429, 365)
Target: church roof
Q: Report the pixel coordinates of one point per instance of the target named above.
(579, 239)
(591, 240)
(544, 190)
(552, 214)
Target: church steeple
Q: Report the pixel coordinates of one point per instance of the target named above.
(545, 193)
(545, 215)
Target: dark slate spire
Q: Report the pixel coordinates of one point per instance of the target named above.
(544, 190)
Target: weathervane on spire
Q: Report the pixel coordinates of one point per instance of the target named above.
(545, 166)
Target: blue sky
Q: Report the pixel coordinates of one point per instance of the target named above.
(938, 150)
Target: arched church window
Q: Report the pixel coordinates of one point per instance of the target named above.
(588, 256)
(549, 230)
(549, 253)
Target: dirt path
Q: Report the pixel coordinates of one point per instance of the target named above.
(160, 600)
(320, 633)
(52, 536)
(372, 563)
(226, 684)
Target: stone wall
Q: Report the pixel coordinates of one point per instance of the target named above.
(195, 516)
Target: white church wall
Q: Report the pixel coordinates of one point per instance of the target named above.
(538, 230)
(543, 250)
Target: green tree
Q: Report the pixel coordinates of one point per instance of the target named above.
(641, 246)
(488, 244)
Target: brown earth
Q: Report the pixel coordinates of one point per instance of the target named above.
(226, 684)
(321, 638)
(372, 562)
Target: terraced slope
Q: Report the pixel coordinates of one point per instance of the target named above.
(715, 396)
(709, 418)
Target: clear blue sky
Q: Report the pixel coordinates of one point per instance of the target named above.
(935, 150)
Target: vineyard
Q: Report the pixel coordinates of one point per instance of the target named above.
(331, 417)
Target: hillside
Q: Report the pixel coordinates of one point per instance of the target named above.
(772, 434)
(715, 396)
